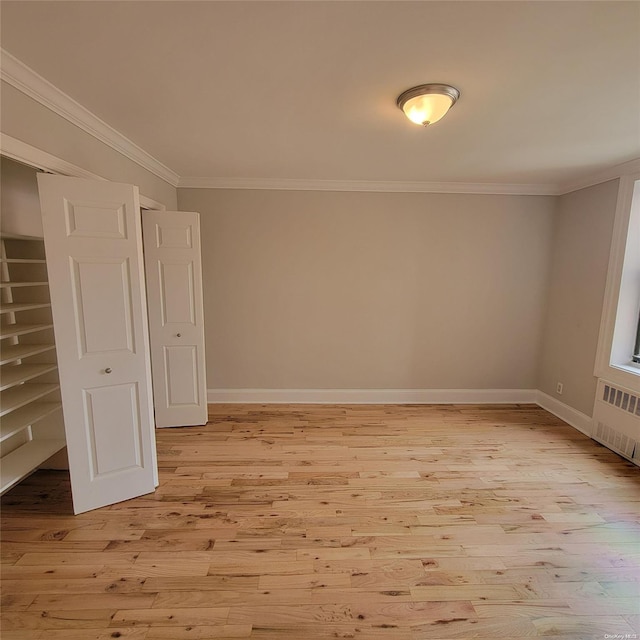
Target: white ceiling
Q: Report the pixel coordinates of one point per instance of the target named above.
(550, 91)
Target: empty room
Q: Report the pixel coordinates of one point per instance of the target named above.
(320, 319)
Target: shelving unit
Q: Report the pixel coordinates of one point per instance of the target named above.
(31, 426)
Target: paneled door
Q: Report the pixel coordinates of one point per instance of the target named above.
(176, 321)
(93, 243)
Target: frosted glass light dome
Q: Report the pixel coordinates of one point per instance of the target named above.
(427, 103)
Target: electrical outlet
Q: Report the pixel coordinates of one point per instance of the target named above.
(559, 388)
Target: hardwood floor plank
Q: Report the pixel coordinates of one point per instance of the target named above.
(451, 629)
(197, 616)
(74, 586)
(127, 600)
(14, 600)
(448, 593)
(108, 534)
(334, 553)
(200, 632)
(121, 633)
(583, 627)
(159, 569)
(80, 557)
(302, 581)
(255, 566)
(403, 613)
(201, 583)
(21, 634)
(47, 572)
(52, 546)
(331, 632)
(58, 619)
(604, 606)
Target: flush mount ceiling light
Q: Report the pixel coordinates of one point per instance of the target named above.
(427, 103)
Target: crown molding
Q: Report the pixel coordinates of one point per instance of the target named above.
(388, 186)
(26, 80)
(611, 173)
(20, 151)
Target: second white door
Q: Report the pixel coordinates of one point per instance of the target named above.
(176, 319)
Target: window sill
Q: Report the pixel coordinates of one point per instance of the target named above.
(625, 375)
(632, 368)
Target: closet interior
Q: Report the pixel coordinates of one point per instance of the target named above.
(31, 425)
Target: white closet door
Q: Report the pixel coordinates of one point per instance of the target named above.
(93, 243)
(176, 320)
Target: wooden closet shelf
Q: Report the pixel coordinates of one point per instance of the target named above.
(17, 374)
(23, 260)
(13, 307)
(26, 459)
(22, 418)
(14, 285)
(14, 352)
(17, 397)
(11, 330)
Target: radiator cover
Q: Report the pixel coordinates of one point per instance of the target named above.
(616, 420)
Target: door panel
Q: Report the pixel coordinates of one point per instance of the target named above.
(181, 364)
(176, 319)
(177, 291)
(93, 242)
(102, 293)
(170, 236)
(113, 428)
(91, 220)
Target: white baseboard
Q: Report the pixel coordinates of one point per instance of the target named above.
(571, 416)
(580, 421)
(373, 396)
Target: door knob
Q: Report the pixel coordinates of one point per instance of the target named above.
(108, 370)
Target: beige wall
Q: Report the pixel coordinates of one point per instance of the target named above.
(27, 120)
(312, 290)
(582, 239)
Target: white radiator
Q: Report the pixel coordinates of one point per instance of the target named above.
(616, 420)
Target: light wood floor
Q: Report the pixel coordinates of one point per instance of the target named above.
(366, 522)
